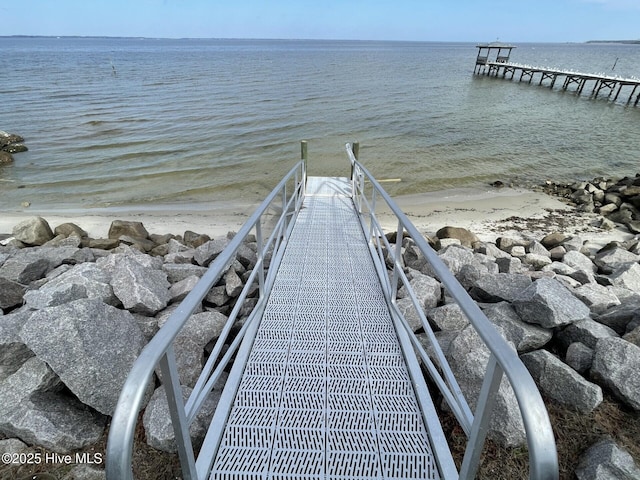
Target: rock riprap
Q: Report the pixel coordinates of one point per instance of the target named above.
(73, 318)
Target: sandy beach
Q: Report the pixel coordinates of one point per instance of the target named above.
(489, 213)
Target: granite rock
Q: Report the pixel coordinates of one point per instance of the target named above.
(157, 421)
(468, 357)
(499, 287)
(140, 289)
(65, 337)
(428, 290)
(605, 460)
(11, 293)
(615, 366)
(33, 231)
(34, 410)
(546, 302)
(560, 382)
(524, 336)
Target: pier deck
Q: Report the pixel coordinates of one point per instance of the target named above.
(612, 86)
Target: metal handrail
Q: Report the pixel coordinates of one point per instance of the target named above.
(543, 459)
(159, 351)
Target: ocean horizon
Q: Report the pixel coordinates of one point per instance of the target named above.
(112, 122)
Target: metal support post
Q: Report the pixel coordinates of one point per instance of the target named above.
(304, 156)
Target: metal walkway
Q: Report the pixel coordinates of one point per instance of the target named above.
(325, 392)
(327, 379)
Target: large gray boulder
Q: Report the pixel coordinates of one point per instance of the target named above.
(548, 303)
(200, 329)
(181, 289)
(615, 365)
(233, 283)
(128, 228)
(414, 259)
(11, 293)
(177, 272)
(470, 273)
(633, 336)
(247, 256)
(408, 311)
(90, 345)
(510, 265)
(619, 316)
(560, 382)
(141, 289)
(597, 297)
(13, 352)
(611, 259)
(427, 289)
(627, 276)
(32, 409)
(50, 297)
(499, 287)
(24, 268)
(86, 280)
(111, 262)
(586, 331)
(448, 317)
(157, 421)
(467, 238)
(468, 357)
(579, 261)
(559, 268)
(607, 461)
(455, 256)
(33, 231)
(579, 357)
(536, 260)
(31, 264)
(12, 445)
(524, 336)
(208, 252)
(189, 361)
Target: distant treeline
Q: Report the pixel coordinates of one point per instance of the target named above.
(630, 42)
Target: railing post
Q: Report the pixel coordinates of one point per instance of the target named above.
(355, 148)
(396, 261)
(177, 412)
(260, 258)
(304, 157)
(480, 427)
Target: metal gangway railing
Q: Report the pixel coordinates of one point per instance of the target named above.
(272, 224)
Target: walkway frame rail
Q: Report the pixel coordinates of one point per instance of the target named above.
(286, 200)
(543, 461)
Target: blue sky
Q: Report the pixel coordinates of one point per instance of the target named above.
(420, 20)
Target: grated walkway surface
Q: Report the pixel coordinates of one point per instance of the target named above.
(325, 393)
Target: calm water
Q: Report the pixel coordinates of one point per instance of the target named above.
(118, 122)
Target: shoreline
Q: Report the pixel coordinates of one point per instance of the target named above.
(489, 213)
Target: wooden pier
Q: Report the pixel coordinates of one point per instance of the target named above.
(493, 60)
